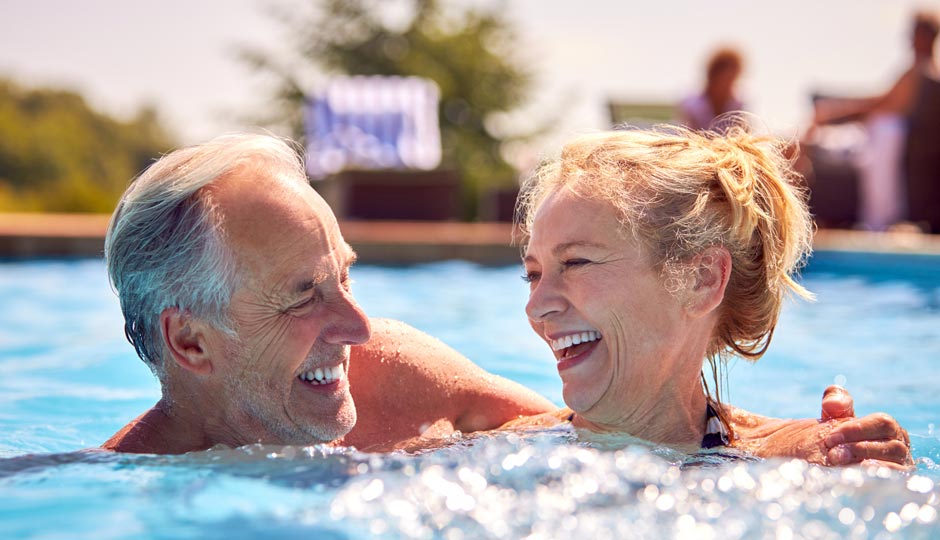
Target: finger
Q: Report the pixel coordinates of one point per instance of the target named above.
(837, 403)
(888, 464)
(893, 451)
(874, 427)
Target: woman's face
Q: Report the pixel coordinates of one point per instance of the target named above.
(620, 339)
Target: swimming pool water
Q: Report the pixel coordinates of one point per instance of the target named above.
(68, 380)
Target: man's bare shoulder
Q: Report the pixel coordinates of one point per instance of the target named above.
(146, 434)
(404, 380)
(400, 343)
(413, 359)
(402, 364)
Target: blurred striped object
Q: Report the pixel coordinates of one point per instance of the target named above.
(373, 122)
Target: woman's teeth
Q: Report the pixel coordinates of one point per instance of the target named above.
(574, 339)
(323, 375)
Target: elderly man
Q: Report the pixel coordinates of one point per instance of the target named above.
(233, 279)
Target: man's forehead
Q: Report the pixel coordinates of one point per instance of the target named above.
(271, 222)
(257, 204)
(306, 277)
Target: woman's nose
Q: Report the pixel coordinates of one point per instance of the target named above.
(545, 300)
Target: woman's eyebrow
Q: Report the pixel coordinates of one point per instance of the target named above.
(565, 246)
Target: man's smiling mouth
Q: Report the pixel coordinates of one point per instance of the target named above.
(325, 375)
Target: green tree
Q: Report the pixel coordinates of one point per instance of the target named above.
(59, 155)
(468, 52)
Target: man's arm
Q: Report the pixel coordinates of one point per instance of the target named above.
(838, 438)
(409, 385)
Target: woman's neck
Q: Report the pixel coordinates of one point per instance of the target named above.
(677, 418)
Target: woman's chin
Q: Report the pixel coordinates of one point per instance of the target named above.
(584, 382)
(579, 397)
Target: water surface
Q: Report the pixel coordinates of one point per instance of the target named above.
(68, 380)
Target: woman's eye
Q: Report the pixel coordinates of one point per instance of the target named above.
(569, 263)
(531, 277)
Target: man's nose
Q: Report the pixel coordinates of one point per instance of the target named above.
(351, 326)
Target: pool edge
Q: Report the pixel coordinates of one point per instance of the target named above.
(57, 235)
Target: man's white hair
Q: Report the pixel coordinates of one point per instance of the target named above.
(166, 246)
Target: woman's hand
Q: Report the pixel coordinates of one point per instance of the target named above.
(876, 439)
(837, 439)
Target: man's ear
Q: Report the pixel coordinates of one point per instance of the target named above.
(711, 272)
(185, 341)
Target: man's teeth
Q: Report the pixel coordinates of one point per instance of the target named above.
(574, 339)
(323, 375)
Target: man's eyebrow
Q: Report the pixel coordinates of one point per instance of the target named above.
(311, 283)
(352, 258)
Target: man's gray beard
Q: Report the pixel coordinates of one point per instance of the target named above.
(254, 386)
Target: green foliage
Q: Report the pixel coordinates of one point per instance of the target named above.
(59, 155)
(469, 53)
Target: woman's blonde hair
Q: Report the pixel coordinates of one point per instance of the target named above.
(678, 192)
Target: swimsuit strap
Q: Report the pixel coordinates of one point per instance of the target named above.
(716, 434)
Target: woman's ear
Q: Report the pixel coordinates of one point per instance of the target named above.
(185, 341)
(712, 270)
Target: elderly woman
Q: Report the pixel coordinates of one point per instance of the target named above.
(651, 252)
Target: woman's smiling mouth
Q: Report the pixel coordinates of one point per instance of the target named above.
(570, 340)
(572, 348)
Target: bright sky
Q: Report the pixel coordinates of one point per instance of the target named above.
(179, 54)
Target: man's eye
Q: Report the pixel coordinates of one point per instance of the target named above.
(314, 297)
(347, 282)
(303, 303)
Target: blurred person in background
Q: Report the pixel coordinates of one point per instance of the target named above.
(881, 186)
(703, 111)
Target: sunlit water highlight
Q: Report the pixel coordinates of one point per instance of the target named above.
(68, 381)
